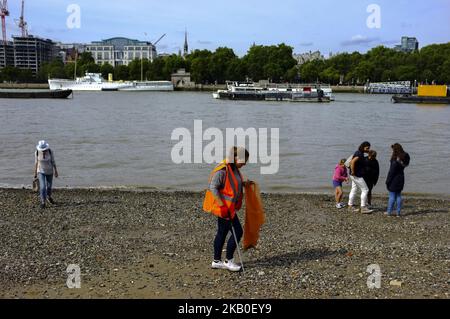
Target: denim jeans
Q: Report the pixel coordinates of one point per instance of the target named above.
(45, 186)
(393, 198)
(224, 227)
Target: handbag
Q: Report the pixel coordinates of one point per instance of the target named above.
(36, 185)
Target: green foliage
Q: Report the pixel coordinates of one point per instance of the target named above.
(122, 73)
(106, 69)
(382, 64)
(10, 74)
(275, 63)
(136, 67)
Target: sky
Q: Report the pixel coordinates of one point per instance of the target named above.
(325, 25)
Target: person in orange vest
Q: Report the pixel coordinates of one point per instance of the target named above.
(223, 199)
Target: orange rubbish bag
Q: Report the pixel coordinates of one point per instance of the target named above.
(254, 216)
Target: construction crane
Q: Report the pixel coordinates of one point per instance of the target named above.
(22, 24)
(4, 12)
(159, 39)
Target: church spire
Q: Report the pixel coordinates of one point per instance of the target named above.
(186, 45)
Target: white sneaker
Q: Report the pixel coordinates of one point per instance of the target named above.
(343, 205)
(339, 206)
(218, 265)
(231, 266)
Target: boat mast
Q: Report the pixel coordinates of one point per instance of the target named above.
(75, 69)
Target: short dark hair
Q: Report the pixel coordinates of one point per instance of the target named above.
(237, 150)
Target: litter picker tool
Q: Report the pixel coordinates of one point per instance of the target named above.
(237, 243)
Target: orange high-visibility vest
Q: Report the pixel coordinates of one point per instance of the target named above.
(229, 194)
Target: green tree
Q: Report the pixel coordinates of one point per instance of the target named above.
(200, 70)
(292, 75)
(10, 73)
(106, 69)
(155, 70)
(69, 70)
(310, 71)
(26, 76)
(86, 58)
(219, 64)
(122, 73)
(171, 64)
(236, 70)
(330, 75)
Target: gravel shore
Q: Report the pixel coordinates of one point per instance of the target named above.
(133, 244)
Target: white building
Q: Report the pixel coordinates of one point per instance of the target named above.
(121, 51)
(308, 56)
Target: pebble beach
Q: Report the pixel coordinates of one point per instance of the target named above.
(136, 244)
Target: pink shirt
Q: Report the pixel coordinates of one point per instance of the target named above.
(340, 174)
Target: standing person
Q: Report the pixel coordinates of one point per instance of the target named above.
(395, 181)
(356, 176)
(340, 176)
(223, 199)
(371, 173)
(45, 169)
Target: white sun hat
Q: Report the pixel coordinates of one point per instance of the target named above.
(42, 146)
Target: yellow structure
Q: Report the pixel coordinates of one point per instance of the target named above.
(432, 90)
(110, 77)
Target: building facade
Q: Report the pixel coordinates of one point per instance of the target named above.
(121, 51)
(6, 54)
(308, 56)
(31, 52)
(409, 44)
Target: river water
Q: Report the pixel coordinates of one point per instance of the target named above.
(119, 139)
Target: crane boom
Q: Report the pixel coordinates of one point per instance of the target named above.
(22, 23)
(159, 39)
(4, 12)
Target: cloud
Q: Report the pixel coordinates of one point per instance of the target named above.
(390, 42)
(306, 44)
(204, 42)
(359, 40)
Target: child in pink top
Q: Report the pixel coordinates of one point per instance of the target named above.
(340, 176)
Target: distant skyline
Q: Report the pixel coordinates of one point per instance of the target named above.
(325, 25)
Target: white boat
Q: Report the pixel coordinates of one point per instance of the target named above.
(400, 87)
(276, 92)
(149, 86)
(89, 82)
(95, 82)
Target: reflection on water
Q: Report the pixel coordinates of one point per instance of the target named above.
(124, 139)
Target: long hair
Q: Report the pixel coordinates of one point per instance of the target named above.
(398, 152)
(363, 146)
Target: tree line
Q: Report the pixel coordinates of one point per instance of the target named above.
(273, 63)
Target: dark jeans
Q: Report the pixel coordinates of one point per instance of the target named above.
(370, 185)
(224, 227)
(45, 186)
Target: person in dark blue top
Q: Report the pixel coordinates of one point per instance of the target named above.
(356, 175)
(395, 180)
(371, 173)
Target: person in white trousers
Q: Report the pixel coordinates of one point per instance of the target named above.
(358, 183)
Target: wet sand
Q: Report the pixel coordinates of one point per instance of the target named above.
(159, 245)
